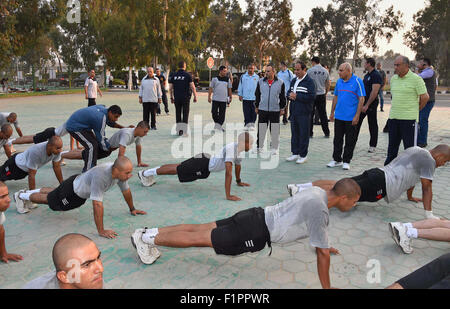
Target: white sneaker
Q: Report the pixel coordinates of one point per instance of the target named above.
(372, 150)
(146, 181)
(20, 204)
(63, 163)
(293, 158)
(147, 253)
(346, 166)
(258, 151)
(334, 164)
(292, 189)
(302, 160)
(273, 152)
(400, 237)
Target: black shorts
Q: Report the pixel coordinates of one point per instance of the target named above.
(64, 198)
(194, 168)
(373, 185)
(10, 171)
(44, 135)
(245, 232)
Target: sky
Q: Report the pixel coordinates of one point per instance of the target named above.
(302, 9)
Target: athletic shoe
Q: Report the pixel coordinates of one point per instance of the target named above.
(395, 236)
(30, 205)
(327, 136)
(334, 164)
(147, 253)
(293, 158)
(292, 189)
(273, 152)
(302, 160)
(372, 150)
(403, 240)
(20, 204)
(258, 151)
(346, 166)
(146, 181)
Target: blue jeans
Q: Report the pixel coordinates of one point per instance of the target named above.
(380, 94)
(424, 114)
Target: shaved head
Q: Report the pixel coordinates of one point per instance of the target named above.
(65, 247)
(143, 124)
(122, 163)
(443, 149)
(347, 67)
(7, 130)
(55, 141)
(245, 137)
(441, 154)
(347, 187)
(12, 117)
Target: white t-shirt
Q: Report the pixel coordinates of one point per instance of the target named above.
(45, 282)
(228, 154)
(2, 218)
(94, 183)
(92, 88)
(35, 157)
(303, 215)
(405, 171)
(124, 137)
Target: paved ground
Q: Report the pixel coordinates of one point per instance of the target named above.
(361, 235)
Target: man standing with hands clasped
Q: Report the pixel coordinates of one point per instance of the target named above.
(150, 96)
(221, 87)
(349, 97)
(91, 88)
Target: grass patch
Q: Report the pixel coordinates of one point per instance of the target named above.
(43, 93)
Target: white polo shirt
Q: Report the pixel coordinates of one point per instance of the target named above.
(92, 88)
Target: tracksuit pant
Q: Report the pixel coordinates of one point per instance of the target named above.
(249, 112)
(300, 126)
(150, 108)
(424, 114)
(218, 111)
(92, 150)
(400, 130)
(268, 120)
(182, 114)
(344, 129)
(320, 104)
(373, 123)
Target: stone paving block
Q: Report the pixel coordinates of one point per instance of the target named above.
(281, 277)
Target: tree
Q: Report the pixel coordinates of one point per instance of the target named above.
(429, 36)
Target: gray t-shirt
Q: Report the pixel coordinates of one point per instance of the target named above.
(46, 282)
(220, 86)
(3, 120)
(35, 157)
(3, 142)
(94, 183)
(229, 153)
(303, 215)
(2, 218)
(61, 130)
(405, 171)
(321, 76)
(124, 137)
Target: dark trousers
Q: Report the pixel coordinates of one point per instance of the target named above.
(165, 102)
(150, 109)
(268, 120)
(344, 129)
(373, 123)
(218, 110)
(300, 125)
(92, 150)
(434, 275)
(400, 130)
(286, 111)
(182, 114)
(424, 115)
(320, 104)
(91, 102)
(249, 111)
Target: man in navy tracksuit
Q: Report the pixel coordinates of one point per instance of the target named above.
(302, 94)
(87, 125)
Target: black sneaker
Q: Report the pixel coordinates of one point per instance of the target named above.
(180, 133)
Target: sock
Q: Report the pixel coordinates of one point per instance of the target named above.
(151, 172)
(150, 235)
(26, 195)
(429, 215)
(411, 233)
(408, 225)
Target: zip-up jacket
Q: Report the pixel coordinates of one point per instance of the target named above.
(306, 94)
(270, 98)
(247, 86)
(91, 118)
(150, 90)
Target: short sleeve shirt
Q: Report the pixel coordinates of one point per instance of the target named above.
(348, 93)
(303, 215)
(124, 137)
(35, 157)
(228, 154)
(92, 87)
(371, 79)
(2, 218)
(94, 183)
(181, 82)
(3, 120)
(45, 282)
(220, 86)
(321, 76)
(405, 171)
(406, 92)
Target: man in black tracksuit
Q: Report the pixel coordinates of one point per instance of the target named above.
(270, 103)
(302, 94)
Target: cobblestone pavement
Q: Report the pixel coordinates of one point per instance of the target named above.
(361, 234)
